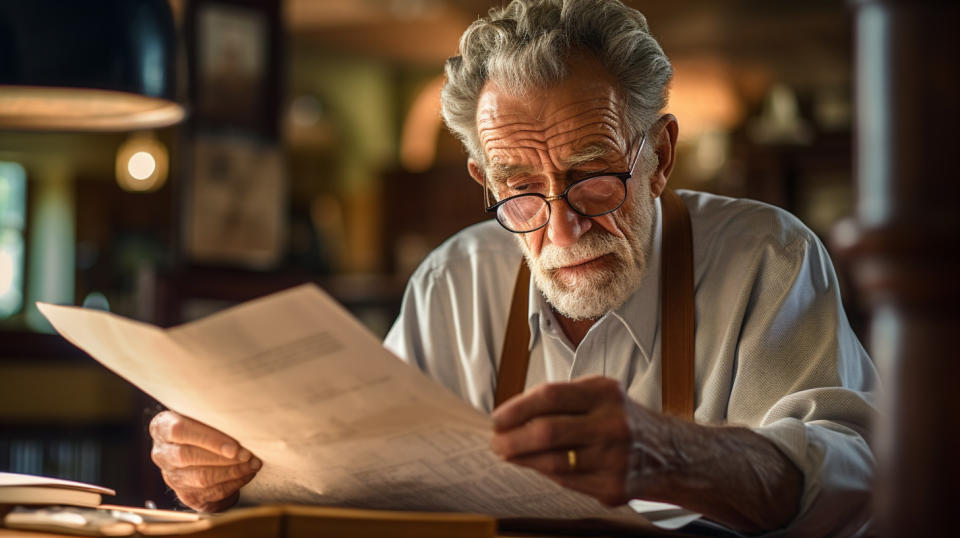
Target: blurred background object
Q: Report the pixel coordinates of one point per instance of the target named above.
(313, 151)
(102, 65)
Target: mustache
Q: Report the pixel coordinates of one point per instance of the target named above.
(592, 244)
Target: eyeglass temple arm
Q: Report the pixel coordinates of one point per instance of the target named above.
(486, 193)
(643, 140)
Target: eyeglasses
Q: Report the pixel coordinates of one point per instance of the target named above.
(591, 196)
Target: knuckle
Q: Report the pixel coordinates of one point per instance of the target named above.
(178, 478)
(158, 424)
(177, 456)
(191, 478)
(615, 429)
(544, 433)
(232, 472)
(169, 481)
(159, 457)
(552, 394)
(176, 428)
(209, 477)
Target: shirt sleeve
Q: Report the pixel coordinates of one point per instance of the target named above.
(416, 329)
(804, 382)
(438, 331)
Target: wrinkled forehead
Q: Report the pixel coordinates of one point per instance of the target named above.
(582, 115)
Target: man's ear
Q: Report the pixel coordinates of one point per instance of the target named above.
(476, 171)
(664, 134)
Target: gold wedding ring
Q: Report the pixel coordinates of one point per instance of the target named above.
(572, 459)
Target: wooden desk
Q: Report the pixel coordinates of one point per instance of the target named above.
(288, 521)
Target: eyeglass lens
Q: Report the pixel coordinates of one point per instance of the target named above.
(591, 197)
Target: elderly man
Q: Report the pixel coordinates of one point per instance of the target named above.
(559, 106)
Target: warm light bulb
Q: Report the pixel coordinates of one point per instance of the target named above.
(142, 165)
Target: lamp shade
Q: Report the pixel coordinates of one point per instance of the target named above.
(90, 65)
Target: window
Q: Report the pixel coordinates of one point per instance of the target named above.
(13, 212)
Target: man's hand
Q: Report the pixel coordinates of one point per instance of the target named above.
(587, 435)
(204, 467)
(589, 417)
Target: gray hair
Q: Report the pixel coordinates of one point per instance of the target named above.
(526, 44)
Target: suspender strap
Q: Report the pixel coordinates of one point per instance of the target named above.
(676, 308)
(512, 374)
(676, 318)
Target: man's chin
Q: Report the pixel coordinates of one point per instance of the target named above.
(580, 297)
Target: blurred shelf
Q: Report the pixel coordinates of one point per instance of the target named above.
(20, 344)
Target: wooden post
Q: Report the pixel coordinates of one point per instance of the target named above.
(904, 248)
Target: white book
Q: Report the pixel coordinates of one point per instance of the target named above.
(18, 488)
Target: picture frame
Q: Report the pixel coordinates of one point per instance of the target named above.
(236, 70)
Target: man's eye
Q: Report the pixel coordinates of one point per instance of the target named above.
(525, 187)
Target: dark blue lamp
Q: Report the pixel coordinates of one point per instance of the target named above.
(87, 65)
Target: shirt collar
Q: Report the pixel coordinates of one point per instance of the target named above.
(639, 315)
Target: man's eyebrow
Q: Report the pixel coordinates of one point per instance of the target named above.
(586, 154)
(501, 172)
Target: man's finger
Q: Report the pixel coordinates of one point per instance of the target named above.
(170, 456)
(543, 434)
(171, 427)
(573, 397)
(586, 460)
(210, 475)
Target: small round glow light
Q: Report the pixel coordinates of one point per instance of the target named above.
(141, 165)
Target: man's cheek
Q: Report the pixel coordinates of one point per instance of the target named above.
(534, 241)
(614, 223)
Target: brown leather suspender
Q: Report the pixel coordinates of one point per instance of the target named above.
(512, 374)
(676, 308)
(676, 318)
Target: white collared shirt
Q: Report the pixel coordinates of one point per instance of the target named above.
(774, 349)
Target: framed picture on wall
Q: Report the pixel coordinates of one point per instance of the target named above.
(235, 197)
(234, 47)
(236, 203)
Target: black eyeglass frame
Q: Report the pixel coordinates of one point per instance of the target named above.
(622, 176)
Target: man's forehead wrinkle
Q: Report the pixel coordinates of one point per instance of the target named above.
(491, 132)
(586, 106)
(606, 120)
(508, 134)
(515, 144)
(604, 106)
(594, 141)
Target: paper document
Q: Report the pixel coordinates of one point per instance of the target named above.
(336, 418)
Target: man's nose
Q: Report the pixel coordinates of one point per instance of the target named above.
(566, 225)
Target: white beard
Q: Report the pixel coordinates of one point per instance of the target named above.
(591, 295)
